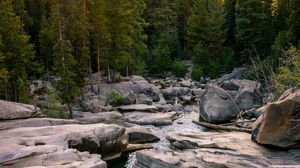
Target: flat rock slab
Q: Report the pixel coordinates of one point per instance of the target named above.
(137, 107)
(34, 122)
(214, 150)
(12, 110)
(50, 156)
(157, 119)
(108, 140)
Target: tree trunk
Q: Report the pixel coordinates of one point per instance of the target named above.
(220, 127)
(70, 112)
(127, 70)
(99, 71)
(108, 73)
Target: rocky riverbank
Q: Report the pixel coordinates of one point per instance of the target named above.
(154, 117)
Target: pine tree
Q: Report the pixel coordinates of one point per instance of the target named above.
(253, 31)
(294, 22)
(230, 22)
(100, 35)
(63, 61)
(206, 36)
(18, 53)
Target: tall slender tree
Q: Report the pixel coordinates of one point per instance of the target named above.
(18, 53)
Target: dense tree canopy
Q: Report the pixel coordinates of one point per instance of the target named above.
(71, 39)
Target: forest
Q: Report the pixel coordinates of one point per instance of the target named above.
(71, 39)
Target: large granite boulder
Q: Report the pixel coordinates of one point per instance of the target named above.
(172, 93)
(279, 124)
(12, 110)
(248, 93)
(217, 106)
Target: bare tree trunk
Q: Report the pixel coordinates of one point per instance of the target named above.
(108, 73)
(70, 111)
(127, 70)
(99, 71)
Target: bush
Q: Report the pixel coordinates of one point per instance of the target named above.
(179, 69)
(114, 98)
(52, 108)
(204, 59)
(228, 59)
(197, 73)
(289, 70)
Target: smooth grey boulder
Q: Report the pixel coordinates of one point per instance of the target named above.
(12, 110)
(128, 99)
(157, 119)
(248, 93)
(217, 106)
(237, 73)
(173, 92)
(143, 99)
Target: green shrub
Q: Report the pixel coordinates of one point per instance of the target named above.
(289, 70)
(140, 67)
(179, 69)
(52, 107)
(197, 73)
(114, 98)
(228, 59)
(203, 58)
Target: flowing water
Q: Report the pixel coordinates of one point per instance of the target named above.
(180, 125)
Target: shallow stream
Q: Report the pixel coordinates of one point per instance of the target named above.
(184, 123)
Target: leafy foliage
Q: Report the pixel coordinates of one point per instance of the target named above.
(179, 69)
(114, 98)
(289, 70)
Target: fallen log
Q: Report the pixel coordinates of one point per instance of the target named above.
(220, 127)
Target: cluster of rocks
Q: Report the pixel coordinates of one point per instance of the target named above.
(28, 140)
(277, 126)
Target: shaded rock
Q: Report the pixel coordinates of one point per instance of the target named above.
(279, 123)
(139, 134)
(40, 87)
(214, 150)
(128, 99)
(197, 92)
(173, 92)
(143, 99)
(186, 83)
(177, 107)
(164, 107)
(156, 119)
(137, 107)
(237, 73)
(94, 106)
(248, 93)
(84, 104)
(217, 106)
(12, 110)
